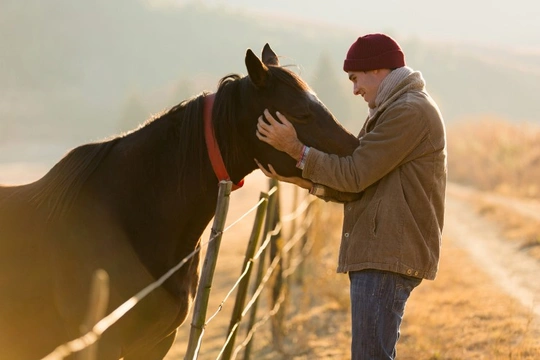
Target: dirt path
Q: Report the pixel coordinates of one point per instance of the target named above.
(526, 207)
(505, 261)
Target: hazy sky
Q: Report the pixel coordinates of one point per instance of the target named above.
(506, 23)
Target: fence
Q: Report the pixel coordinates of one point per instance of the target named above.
(285, 255)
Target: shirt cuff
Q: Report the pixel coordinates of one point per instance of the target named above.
(305, 151)
(318, 190)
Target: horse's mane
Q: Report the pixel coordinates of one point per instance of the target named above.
(231, 92)
(60, 187)
(187, 118)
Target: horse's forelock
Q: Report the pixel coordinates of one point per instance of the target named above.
(289, 77)
(228, 79)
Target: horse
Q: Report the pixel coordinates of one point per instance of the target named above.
(136, 205)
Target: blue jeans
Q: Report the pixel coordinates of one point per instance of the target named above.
(377, 305)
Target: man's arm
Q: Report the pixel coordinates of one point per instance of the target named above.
(323, 192)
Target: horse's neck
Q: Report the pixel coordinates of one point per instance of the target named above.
(242, 162)
(241, 167)
(163, 213)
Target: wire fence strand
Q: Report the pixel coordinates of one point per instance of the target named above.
(101, 326)
(105, 323)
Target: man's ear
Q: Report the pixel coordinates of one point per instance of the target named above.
(269, 57)
(257, 70)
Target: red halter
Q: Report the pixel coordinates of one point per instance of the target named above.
(211, 143)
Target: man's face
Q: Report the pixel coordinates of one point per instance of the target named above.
(366, 84)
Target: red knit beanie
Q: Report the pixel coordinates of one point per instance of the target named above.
(374, 51)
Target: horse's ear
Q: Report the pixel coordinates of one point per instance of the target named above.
(257, 71)
(269, 57)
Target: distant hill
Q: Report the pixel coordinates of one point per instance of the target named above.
(71, 71)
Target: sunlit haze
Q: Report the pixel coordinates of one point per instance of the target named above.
(74, 72)
(489, 22)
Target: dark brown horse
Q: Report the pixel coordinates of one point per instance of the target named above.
(136, 205)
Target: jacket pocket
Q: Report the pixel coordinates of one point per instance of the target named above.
(375, 218)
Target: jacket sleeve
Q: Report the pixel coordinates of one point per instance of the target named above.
(328, 194)
(397, 133)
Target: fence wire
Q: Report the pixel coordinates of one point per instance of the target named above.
(288, 246)
(290, 270)
(100, 327)
(105, 323)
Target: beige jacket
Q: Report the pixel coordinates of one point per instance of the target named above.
(397, 176)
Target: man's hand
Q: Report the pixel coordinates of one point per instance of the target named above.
(280, 134)
(303, 183)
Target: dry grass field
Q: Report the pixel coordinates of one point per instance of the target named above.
(475, 309)
(464, 314)
(495, 155)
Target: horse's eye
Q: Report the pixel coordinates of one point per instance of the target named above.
(301, 118)
(298, 116)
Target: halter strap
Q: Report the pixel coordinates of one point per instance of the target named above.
(211, 143)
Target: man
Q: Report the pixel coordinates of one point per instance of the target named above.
(392, 228)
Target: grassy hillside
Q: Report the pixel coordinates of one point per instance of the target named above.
(74, 71)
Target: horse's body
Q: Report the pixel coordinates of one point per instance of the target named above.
(136, 206)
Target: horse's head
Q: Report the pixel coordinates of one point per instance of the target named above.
(279, 89)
